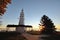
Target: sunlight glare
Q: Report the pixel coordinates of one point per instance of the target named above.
(35, 27)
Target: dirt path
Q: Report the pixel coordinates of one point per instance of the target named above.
(31, 37)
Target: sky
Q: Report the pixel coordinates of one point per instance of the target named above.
(33, 11)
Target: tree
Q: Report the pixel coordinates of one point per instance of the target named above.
(3, 4)
(48, 26)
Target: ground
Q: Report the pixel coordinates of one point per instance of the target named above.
(28, 36)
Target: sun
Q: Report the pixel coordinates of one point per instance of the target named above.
(35, 28)
(57, 27)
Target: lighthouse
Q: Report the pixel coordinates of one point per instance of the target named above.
(21, 22)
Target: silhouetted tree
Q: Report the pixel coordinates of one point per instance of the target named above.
(48, 26)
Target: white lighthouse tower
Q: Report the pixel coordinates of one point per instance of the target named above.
(21, 22)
